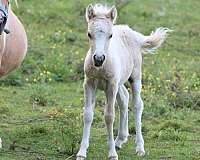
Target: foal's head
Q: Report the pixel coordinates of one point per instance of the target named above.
(4, 4)
(100, 22)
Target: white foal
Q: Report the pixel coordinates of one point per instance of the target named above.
(115, 56)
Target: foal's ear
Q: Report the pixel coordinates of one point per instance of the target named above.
(112, 14)
(89, 13)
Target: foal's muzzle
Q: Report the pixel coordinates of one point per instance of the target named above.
(98, 60)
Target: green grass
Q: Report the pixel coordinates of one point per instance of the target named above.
(41, 103)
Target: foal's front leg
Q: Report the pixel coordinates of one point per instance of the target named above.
(89, 89)
(111, 93)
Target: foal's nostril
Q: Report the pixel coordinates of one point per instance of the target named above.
(95, 57)
(103, 58)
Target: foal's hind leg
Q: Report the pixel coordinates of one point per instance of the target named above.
(122, 99)
(136, 86)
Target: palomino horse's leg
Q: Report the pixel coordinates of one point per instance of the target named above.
(89, 89)
(122, 99)
(109, 114)
(136, 87)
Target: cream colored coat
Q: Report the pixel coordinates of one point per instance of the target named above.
(122, 49)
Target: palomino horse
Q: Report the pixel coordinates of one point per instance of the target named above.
(115, 56)
(13, 39)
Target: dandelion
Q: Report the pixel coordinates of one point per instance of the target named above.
(48, 72)
(194, 75)
(27, 79)
(186, 88)
(77, 118)
(61, 54)
(173, 94)
(34, 80)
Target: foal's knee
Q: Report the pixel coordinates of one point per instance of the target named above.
(88, 116)
(109, 118)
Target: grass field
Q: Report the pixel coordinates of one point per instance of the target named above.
(41, 103)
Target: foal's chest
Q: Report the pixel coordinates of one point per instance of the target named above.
(101, 84)
(99, 73)
(101, 76)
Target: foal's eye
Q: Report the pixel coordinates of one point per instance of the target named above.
(89, 35)
(110, 36)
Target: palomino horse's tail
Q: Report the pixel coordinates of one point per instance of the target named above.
(16, 3)
(154, 41)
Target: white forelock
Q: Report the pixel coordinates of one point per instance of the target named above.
(100, 9)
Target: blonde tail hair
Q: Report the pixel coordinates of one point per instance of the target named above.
(155, 40)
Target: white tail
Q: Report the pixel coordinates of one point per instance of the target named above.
(154, 41)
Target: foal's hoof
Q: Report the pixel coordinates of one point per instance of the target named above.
(80, 158)
(140, 152)
(113, 158)
(119, 142)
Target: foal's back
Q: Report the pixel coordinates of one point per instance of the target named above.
(126, 47)
(15, 45)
